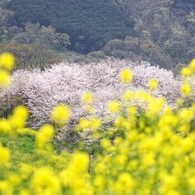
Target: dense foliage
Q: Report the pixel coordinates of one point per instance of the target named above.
(89, 23)
(164, 27)
(133, 48)
(44, 36)
(162, 30)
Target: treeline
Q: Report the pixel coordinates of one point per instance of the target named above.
(89, 23)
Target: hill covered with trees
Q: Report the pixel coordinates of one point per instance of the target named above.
(165, 31)
(110, 127)
(89, 23)
(161, 32)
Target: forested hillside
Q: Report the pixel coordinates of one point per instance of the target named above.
(165, 32)
(152, 30)
(89, 23)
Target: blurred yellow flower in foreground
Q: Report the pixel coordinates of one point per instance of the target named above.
(152, 84)
(60, 114)
(44, 181)
(87, 98)
(113, 106)
(185, 89)
(186, 72)
(192, 65)
(44, 136)
(4, 155)
(4, 78)
(125, 76)
(7, 61)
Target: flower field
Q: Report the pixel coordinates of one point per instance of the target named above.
(146, 147)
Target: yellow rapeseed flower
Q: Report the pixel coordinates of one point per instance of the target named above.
(89, 109)
(26, 131)
(152, 84)
(186, 72)
(185, 89)
(4, 155)
(14, 179)
(113, 106)
(5, 126)
(128, 95)
(148, 160)
(21, 111)
(25, 192)
(44, 136)
(25, 170)
(87, 98)
(155, 106)
(192, 65)
(19, 117)
(184, 129)
(125, 76)
(119, 121)
(41, 140)
(124, 183)
(185, 115)
(95, 123)
(143, 96)
(131, 110)
(17, 122)
(99, 181)
(169, 183)
(7, 61)
(4, 78)
(6, 188)
(44, 181)
(83, 124)
(48, 131)
(105, 143)
(79, 162)
(60, 114)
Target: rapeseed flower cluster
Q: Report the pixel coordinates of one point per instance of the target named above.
(125, 76)
(144, 150)
(186, 89)
(113, 106)
(7, 62)
(60, 114)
